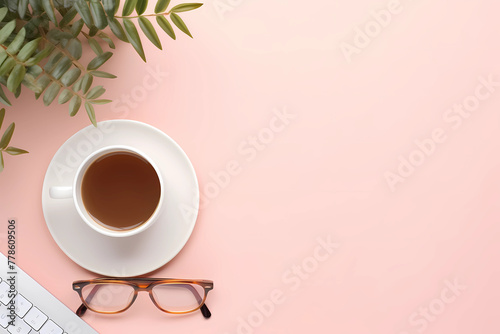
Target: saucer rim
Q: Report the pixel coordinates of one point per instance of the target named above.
(195, 207)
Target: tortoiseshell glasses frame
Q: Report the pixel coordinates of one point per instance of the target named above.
(145, 284)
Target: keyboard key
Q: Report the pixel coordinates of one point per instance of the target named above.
(35, 318)
(51, 328)
(4, 316)
(22, 305)
(4, 293)
(33, 332)
(20, 328)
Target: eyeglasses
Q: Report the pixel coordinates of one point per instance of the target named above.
(115, 295)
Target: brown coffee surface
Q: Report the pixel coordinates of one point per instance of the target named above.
(120, 190)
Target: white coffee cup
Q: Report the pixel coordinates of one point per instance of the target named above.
(74, 191)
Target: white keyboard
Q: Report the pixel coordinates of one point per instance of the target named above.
(37, 310)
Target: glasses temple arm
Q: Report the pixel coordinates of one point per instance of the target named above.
(82, 309)
(204, 308)
(205, 311)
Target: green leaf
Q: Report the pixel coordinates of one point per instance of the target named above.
(78, 84)
(34, 70)
(36, 5)
(53, 60)
(22, 7)
(18, 41)
(102, 74)
(109, 7)
(4, 99)
(93, 31)
(76, 27)
(94, 45)
(61, 68)
(74, 48)
(7, 30)
(40, 55)
(2, 116)
(64, 42)
(149, 31)
(3, 12)
(180, 24)
(30, 82)
(15, 151)
(70, 76)
(65, 96)
(32, 27)
(128, 7)
(83, 9)
(117, 29)
(1, 161)
(166, 26)
(185, 7)
(133, 37)
(28, 49)
(3, 55)
(90, 111)
(141, 6)
(68, 17)
(43, 82)
(44, 23)
(47, 6)
(51, 93)
(74, 105)
(98, 61)
(95, 92)
(7, 65)
(57, 36)
(103, 101)
(107, 39)
(117, 6)
(4, 142)
(18, 91)
(15, 77)
(161, 6)
(11, 5)
(98, 13)
(87, 82)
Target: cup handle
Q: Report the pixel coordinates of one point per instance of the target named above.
(61, 192)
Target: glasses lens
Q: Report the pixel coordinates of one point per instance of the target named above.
(177, 297)
(108, 297)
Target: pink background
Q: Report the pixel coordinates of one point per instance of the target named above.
(322, 175)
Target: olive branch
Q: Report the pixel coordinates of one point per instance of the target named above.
(41, 45)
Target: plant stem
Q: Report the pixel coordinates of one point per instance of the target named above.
(60, 84)
(134, 17)
(66, 53)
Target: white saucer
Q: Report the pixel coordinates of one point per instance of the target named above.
(127, 256)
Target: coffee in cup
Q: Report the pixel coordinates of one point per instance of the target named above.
(117, 190)
(120, 190)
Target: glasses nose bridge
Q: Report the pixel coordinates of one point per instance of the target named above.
(143, 286)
